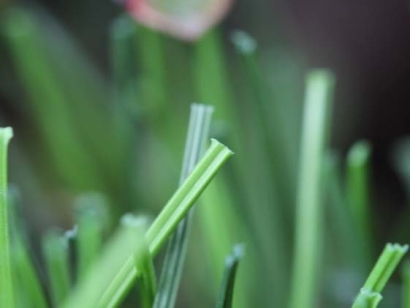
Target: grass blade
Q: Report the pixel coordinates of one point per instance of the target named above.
(143, 260)
(56, 255)
(47, 101)
(91, 216)
(110, 288)
(272, 128)
(369, 295)
(31, 292)
(6, 281)
(28, 283)
(406, 285)
(308, 212)
(358, 196)
(228, 283)
(198, 132)
(269, 213)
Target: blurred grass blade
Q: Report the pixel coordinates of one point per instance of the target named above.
(406, 285)
(92, 220)
(123, 34)
(401, 162)
(56, 256)
(226, 292)
(270, 208)
(211, 79)
(198, 134)
(343, 235)
(358, 161)
(318, 106)
(31, 292)
(115, 253)
(271, 126)
(6, 280)
(219, 208)
(27, 278)
(47, 101)
(369, 295)
(143, 259)
(154, 87)
(96, 290)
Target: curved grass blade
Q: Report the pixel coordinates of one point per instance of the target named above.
(97, 290)
(369, 295)
(228, 283)
(6, 281)
(198, 132)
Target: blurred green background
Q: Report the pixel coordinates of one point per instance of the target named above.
(100, 106)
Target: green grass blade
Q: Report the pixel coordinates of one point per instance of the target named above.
(406, 285)
(91, 217)
(318, 105)
(270, 211)
(340, 229)
(143, 260)
(358, 196)
(6, 281)
(56, 256)
(211, 80)
(183, 199)
(226, 292)
(31, 292)
(27, 278)
(151, 58)
(115, 253)
(272, 128)
(47, 101)
(123, 32)
(198, 132)
(100, 291)
(369, 295)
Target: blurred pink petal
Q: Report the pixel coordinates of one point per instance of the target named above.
(184, 19)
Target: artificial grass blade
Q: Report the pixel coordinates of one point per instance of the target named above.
(226, 291)
(318, 104)
(96, 290)
(6, 281)
(369, 295)
(198, 132)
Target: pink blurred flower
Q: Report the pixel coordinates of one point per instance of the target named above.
(184, 19)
